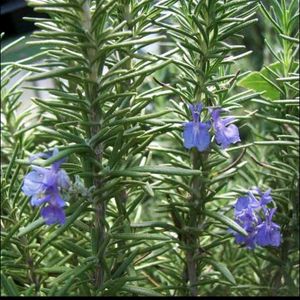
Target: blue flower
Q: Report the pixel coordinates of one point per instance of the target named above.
(244, 210)
(196, 133)
(44, 185)
(225, 134)
(247, 214)
(268, 232)
(33, 184)
(248, 203)
(265, 197)
(53, 214)
(249, 240)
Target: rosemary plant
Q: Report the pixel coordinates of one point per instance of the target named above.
(204, 37)
(159, 163)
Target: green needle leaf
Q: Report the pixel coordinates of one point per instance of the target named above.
(226, 221)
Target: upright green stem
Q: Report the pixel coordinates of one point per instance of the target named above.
(95, 116)
(98, 204)
(192, 272)
(194, 220)
(31, 267)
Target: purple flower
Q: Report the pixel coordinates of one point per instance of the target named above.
(244, 210)
(196, 133)
(51, 195)
(265, 197)
(41, 179)
(53, 214)
(247, 214)
(268, 232)
(249, 240)
(33, 183)
(225, 134)
(44, 185)
(245, 204)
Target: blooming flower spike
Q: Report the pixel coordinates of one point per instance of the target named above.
(225, 134)
(196, 133)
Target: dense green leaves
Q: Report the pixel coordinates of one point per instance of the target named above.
(145, 216)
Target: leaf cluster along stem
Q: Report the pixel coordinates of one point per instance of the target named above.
(195, 219)
(147, 179)
(95, 116)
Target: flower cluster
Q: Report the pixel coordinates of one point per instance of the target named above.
(44, 185)
(196, 134)
(248, 211)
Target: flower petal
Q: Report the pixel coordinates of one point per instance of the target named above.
(266, 197)
(49, 176)
(33, 183)
(196, 111)
(56, 165)
(53, 214)
(38, 199)
(201, 136)
(56, 200)
(268, 235)
(232, 133)
(242, 203)
(188, 137)
(227, 120)
(262, 235)
(63, 179)
(225, 134)
(275, 237)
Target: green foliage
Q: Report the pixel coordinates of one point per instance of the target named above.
(259, 82)
(145, 216)
(281, 171)
(269, 80)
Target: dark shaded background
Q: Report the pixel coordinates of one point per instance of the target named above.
(12, 13)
